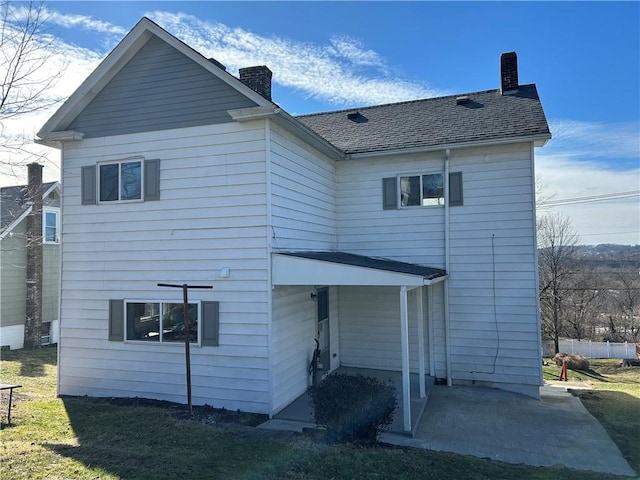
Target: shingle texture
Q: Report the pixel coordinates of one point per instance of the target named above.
(433, 122)
(371, 262)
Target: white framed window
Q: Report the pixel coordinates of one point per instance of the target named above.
(160, 321)
(425, 190)
(120, 181)
(50, 225)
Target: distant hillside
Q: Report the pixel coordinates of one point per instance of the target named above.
(608, 255)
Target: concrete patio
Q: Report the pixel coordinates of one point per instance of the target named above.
(494, 424)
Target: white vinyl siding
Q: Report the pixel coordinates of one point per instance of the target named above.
(364, 227)
(493, 256)
(370, 328)
(303, 192)
(292, 332)
(498, 206)
(212, 214)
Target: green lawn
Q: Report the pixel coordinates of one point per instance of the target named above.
(614, 400)
(77, 438)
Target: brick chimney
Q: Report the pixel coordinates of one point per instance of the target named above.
(258, 79)
(509, 72)
(33, 320)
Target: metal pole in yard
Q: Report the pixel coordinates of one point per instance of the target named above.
(187, 333)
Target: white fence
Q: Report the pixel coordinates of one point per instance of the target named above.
(597, 349)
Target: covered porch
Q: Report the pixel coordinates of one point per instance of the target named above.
(300, 411)
(412, 284)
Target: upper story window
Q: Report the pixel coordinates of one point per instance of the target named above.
(422, 190)
(126, 180)
(120, 181)
(50, 225)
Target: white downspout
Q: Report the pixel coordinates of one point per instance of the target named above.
(269, 247)
(446, 266)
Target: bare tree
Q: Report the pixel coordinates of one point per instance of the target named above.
(557, 242)
(28, 73)
(626, 299)
(584, 300)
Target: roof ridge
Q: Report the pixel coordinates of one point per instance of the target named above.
(405, 102)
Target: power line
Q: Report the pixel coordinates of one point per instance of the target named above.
(589, 199)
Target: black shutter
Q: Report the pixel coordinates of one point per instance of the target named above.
(151, 180)
(455, 189)
(389, 193)
(88, 185)
(210, 323)
(116, 320)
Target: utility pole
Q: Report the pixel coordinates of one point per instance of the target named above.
(187, 333)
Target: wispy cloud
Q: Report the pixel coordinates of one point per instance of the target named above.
(591, 159)
(83, 22)
(342, 72)
(595, 140)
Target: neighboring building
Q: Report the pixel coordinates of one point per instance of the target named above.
(402, 236)
(29, 257)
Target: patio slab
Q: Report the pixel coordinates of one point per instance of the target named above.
(512, 428)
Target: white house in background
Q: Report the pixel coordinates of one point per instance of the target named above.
(402, 236)
(29, 260)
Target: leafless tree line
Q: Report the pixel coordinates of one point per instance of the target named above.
(581, 298)
(28, 75)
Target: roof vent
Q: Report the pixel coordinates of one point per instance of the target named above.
(357, 117)
(218, 64)
(462, 100)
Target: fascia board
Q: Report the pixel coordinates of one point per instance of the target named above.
(118, 58)
(286, 121)
(54, 186)
(538, 140)
(100, 77)
(289, 270)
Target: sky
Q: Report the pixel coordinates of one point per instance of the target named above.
(584, 58)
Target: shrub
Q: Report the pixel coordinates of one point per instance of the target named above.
(574, 362)
(353, 408)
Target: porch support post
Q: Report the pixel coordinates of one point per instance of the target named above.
(404, 334)
(421, 366)
(432, 357)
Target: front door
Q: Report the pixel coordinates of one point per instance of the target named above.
(324, 336)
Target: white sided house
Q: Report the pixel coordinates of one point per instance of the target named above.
(401, 237)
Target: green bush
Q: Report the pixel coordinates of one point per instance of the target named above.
(353, 408)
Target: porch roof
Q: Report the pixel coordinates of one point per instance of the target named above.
(342, 268)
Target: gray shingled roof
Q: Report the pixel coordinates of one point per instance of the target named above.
(432, 122)
(13, 203)
(371, 262)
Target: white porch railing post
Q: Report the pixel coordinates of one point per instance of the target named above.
(421, 366)
(404, 333)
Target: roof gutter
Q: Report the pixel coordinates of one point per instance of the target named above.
(537, 140)
(282, 118)
(447, 222)
(55, 139)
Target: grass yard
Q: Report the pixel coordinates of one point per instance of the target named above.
(83, 438)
